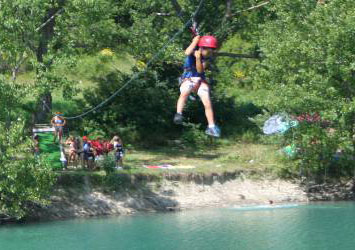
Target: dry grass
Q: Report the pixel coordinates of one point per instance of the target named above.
(252, 157)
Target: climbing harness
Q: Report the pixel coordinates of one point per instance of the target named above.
(194, 28)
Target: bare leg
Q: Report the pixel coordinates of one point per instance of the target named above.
(55, 135)
(72, 157)
(182, 101)
(185, 90)
(206, 100)
(60, 135)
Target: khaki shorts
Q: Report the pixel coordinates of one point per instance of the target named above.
(193, 84)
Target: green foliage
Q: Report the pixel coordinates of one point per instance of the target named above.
(316, 148)
(48, 81)
(193, 136)
(117, 181)
(145, 104)
(86, 26)
(108, 164)
(19, 20)
(309, 68)
(24, 180)
(306, 67)
(10, 101)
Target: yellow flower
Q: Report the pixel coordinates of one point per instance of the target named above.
(140, 65)
(239, 74)
(106, 52)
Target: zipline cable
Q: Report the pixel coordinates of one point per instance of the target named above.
(135, 76)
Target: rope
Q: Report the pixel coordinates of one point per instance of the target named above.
(48, 20)
(253, 7)
(135, 76)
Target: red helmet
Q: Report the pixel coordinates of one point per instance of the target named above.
(208, 41)
(85, 138)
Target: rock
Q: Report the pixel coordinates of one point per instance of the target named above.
(241, 196)
(172, 195)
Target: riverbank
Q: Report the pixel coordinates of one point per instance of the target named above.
(89, 198)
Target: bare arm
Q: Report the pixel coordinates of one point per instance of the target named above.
(199, 64)
(192, 46)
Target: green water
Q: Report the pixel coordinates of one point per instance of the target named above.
(319, 226)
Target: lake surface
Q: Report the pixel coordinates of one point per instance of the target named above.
(316, 226)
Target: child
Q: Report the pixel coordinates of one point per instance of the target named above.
(58, 122)
(72, 148)
(194, 80)
(88, 155)
(119, 152)
(36, 145)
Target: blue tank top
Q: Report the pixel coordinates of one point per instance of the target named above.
(58, 121)
(119, 148)
(190, 68)
(86, 147)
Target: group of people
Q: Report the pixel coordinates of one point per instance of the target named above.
(90, 150)
(87, 150)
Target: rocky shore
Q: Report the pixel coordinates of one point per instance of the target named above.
(172, 194)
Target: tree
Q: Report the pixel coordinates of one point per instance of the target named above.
(24, 180)
(309, 68)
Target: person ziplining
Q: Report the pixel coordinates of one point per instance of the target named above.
(193, 79)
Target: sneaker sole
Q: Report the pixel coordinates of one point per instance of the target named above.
(216, 136)
(178, 122)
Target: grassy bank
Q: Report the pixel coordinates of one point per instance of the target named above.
(258, 159)
(213, 159)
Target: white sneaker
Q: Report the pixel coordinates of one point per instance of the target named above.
(214, 132)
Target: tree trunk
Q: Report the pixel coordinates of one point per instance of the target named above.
(228, 9)
(47, 32)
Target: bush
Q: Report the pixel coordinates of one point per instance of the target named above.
(108, 164)
(24, 180)
(193, 136)
(308, 69)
